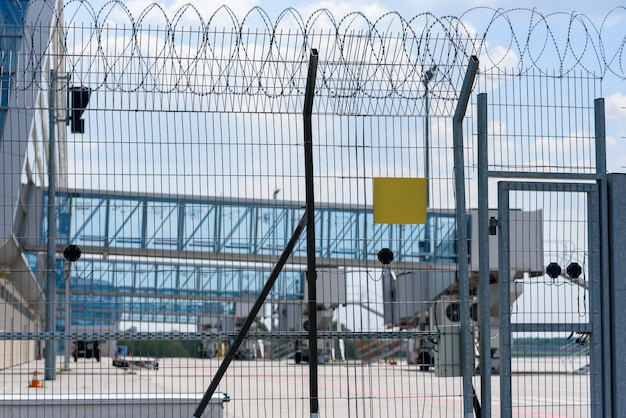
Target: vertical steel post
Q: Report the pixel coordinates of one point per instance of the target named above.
(594, 267)
(50, 326)
(617, 291)
(484, 301)
(310, 233)
(307, 221)
(427, 146)
(68, 316)
(462, 238)
(506, 397)
(608, 371)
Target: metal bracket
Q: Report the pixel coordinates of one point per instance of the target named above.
(493, 226)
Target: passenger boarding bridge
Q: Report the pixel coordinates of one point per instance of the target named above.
(148, 257)
(182, 256)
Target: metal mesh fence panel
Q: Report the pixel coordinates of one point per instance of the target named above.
(168, 158)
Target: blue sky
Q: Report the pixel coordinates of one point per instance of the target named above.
(558, 14)
(405, 7)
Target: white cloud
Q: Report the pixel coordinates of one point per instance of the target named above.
(342, 8)
(615, 108)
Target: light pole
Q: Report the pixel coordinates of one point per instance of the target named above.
(50, 293)
(427, 77)
(71, 254)
(79, 98)
(272, 307)
(274, 197)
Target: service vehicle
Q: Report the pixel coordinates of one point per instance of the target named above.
(86, 349)
(125, 359)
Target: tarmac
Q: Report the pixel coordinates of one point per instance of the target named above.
(547, 387)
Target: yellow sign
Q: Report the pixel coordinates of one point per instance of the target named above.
(399, 200)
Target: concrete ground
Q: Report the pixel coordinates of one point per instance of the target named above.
(542, 387)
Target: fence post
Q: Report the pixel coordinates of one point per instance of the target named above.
(462, 239)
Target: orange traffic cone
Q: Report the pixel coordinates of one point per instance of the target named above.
(35, 383)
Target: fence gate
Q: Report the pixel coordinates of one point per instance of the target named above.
(563, 304)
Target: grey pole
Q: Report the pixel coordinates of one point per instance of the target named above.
(462, 239)
(50, 326)
(617, 290)
(427, 146)
(68, 315)
(504, 306)
(608, 371)
(274, 227)
(426, 79)
(483, 257)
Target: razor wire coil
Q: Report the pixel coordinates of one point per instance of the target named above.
(114, 50)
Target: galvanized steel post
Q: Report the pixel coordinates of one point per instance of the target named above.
(50, 325)
(609, 394)
(483, 256)
(462, 238)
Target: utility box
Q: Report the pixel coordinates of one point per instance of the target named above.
(449, 356)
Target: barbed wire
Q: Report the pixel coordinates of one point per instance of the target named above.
(112, 49)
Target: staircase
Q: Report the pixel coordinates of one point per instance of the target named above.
(373, 351)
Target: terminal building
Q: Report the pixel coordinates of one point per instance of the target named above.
(23, 130)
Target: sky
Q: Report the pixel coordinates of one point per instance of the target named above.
(558, 12)
(405, 7)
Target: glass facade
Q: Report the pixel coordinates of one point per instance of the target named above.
(11, 13)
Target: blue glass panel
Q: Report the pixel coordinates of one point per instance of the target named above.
(444, 237)
(125, 227)
(88, 221)
(166, 279)
(211, 283)
(199, 227)
(268, 236)
(122, 276)
(11, 15)
(187, 281)
(32, 260)
(5, 86)
(414, 246)
(162, 225)
(236, 224)
(146, 277)
(378, 236)
(289, 285)
(342, 234)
